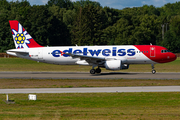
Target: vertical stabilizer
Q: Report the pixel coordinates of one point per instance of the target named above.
(21, 37)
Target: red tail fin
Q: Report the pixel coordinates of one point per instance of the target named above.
(21, 37)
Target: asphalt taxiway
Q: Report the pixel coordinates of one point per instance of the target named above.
(85, 75)
(94, 90)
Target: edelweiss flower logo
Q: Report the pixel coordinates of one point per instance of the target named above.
(21, 38)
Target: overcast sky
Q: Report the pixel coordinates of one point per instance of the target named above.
(118, 4)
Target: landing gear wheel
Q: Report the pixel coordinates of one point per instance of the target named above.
(92, 71)
(153, 71)
(98, 70)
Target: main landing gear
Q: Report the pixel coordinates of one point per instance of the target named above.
(93, 71)
(153, 71)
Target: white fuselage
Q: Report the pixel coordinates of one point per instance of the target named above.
(128, 54)
(109, 57)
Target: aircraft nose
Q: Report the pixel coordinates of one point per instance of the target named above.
(172, 57)
(175, 57)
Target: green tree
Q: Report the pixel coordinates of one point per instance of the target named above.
(58, 31)
(172, 37)
(83, 3)
(6, 41)
(61, 3)
(47, 27)
(147, 30)
(123, 31)
(87, 26)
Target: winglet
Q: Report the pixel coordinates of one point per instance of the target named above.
(21, 37)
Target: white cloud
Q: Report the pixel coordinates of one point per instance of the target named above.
(73, 0)
(44, 1)
(158, 3)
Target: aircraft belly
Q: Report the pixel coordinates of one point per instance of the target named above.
(139, 59)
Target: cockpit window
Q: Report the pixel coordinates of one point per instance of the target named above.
(164, 51)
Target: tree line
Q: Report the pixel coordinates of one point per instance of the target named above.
(85, 22)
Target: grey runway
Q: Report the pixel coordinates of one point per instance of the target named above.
(94, 90)
(83, 75)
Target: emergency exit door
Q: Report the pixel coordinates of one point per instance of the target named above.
(152, 52)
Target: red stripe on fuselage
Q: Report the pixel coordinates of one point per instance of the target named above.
(153, 52)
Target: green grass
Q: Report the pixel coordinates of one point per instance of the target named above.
(70, 83)
(101, 106)
(135, 106)
(19, 64)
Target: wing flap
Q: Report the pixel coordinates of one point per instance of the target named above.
(84, 57)
(89, 59)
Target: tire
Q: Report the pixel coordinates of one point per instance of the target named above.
(98, 70)
(92, 71)
(153, 71)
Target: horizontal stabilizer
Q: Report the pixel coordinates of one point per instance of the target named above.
(17, 51)
(14, 52)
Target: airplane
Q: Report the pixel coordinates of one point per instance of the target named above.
(110, 57)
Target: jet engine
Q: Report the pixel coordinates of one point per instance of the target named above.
(115, 65)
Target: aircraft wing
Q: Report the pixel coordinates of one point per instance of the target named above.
(83, 57)
(89, 59)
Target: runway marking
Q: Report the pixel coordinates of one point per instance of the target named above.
(94, 90)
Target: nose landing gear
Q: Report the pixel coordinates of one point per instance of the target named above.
(153, 71)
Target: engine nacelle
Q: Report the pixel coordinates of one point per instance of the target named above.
(113, 65)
